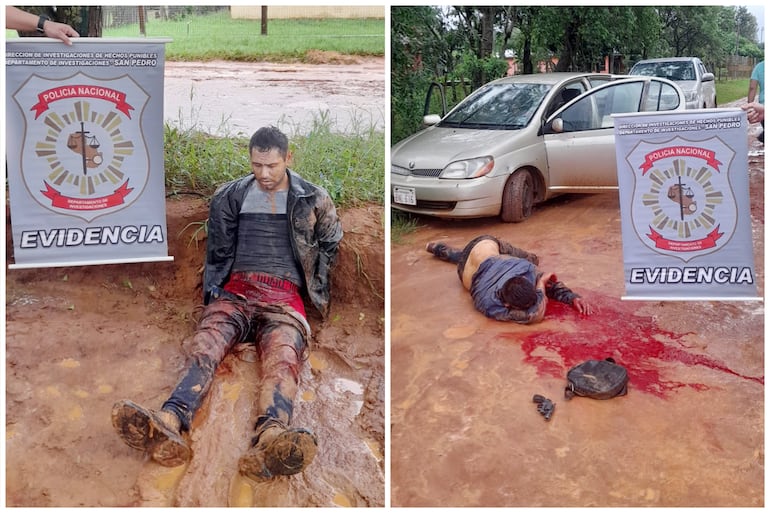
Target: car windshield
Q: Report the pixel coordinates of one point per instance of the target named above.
(672, 70)
(498, 107)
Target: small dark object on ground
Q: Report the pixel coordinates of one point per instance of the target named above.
(544, 406)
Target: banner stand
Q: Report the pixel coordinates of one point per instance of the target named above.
(685, 207)
(91, 262)
(85, 156)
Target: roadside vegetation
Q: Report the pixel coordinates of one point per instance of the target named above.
(213, 36)
(732, 90)
(350, 166)
(216, 36)
(462, 48)
(401, 225)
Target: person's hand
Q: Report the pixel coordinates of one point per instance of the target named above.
(755, 112)
(59, 31)
(582, 306)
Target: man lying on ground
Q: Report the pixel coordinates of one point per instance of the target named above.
(504, 281)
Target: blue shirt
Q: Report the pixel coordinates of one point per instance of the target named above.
(490, 277)
(758, 74)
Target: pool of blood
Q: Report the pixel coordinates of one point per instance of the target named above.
(614, 330)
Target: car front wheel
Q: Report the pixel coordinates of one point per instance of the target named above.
(518, 197)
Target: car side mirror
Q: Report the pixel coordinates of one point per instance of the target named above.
(430, 119)
(708, 77)
(557, 125)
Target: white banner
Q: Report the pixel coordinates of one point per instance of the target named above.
(85, 151)
(684, 204)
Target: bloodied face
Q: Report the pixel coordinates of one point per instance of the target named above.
(269, 168)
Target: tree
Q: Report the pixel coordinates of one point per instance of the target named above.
(691, 30)
(525, 18)
(745, 24)
(645, 33)
(416, 49)
(479, 28)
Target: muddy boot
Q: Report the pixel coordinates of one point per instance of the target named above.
(278, 451)
(155, 432)
(443, 252)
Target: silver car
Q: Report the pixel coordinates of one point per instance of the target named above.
(520, 140)
(689, 73)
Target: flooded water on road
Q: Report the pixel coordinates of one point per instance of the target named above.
(227, 98)
(465, 431)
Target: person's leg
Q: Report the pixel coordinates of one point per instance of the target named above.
(444, 252)
(508, 249)
(222, 324)
(277, 448)
(281, 350)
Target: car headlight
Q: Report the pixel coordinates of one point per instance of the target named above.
(471, 168)
(690, 96)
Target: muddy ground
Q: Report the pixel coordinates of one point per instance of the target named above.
(464, 428)
(78, 339)
(226, 97)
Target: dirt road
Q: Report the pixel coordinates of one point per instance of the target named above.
(230, 97)
(464, 429)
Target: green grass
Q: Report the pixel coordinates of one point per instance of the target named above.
(401, 225)
(349, 165)
(217, 36)
(731, 90)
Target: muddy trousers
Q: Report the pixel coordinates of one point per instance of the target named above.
(460, 256)
(281, 347)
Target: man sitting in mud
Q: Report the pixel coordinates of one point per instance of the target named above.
(504, 281)
(272, 236)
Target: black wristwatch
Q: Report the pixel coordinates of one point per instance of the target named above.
(41, 22)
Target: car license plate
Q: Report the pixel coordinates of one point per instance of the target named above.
(404, 195)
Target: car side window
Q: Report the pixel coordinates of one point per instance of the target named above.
(564, 96)
(595, 110)
(661, 96)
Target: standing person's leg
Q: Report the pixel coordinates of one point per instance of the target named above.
(277, 448)
(223, 323)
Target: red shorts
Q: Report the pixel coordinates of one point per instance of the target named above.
(267, 289)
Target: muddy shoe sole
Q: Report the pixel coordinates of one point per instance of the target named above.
(142, 429)
(288, 453)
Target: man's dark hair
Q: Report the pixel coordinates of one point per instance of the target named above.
(268, 138)
(518, 292)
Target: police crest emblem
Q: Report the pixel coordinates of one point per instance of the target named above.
(683, 204)
(83, 153)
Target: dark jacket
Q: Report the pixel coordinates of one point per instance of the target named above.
(494, 272)
(313, 223)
